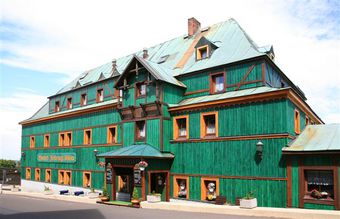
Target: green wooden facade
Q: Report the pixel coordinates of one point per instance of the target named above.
(231, 157)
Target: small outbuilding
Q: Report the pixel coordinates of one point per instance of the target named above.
(313, 167)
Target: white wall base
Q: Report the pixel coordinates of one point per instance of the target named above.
(33, 186)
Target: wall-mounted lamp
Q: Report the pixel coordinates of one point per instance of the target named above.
(259, 149)
(95, 152)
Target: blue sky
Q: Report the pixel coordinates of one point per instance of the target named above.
(45, 44)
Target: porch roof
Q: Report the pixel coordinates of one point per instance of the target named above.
(137, 150)
(316, 138)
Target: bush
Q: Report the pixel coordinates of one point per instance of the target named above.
(135, 194)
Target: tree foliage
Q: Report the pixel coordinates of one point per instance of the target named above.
(7, 163)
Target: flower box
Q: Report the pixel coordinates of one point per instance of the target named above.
(248, 203)
(153, 198)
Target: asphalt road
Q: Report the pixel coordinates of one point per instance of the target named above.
(13, 206)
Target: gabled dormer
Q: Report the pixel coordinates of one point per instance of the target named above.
(204, 49)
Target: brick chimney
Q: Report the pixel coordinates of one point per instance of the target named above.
(114, 66)
(145, 53)
(193, 26)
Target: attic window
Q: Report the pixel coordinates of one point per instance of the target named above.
(100, 95)
(163, 59)
(202, 52)
(56, 106)
(69, 103)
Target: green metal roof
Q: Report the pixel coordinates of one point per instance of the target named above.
(43, 112)
(232, 41)
(226, 95)
(316, 138)
(137, 150)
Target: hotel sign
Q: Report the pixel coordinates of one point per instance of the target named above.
(57, 157)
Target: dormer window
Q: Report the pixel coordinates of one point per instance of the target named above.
(69, 103)
(100, 95)
(83, 100)
(202, 52)
(140, 90)
(57, 106)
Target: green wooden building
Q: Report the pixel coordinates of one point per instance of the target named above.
(208, 112)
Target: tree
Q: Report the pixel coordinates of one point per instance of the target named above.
(7, 164)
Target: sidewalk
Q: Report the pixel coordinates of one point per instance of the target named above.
(190, 206)
(177, 205)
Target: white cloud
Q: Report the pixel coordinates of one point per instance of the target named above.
(20, 106)
(71, 36)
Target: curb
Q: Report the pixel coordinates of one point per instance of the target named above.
(235, 210)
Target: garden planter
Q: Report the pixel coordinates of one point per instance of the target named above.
(104, 198)
(153, 198)
(248, 203)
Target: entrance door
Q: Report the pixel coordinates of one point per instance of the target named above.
(124, 183)
(159, 183)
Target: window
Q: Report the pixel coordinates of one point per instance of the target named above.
(83, 100)
(87, 136)
(46, 141)
(297, 121)
(319, 185)
(140, 90)
(202, 52)
(57, 106)
(37, 174)
(28, 173)
(181, 187)
(64, 177)
(87, 179)
(209, 124)
(48, 175)
(100, 95)
(69, 103)
(140, 130)
(112, 134)
(307, 122)
(32, 141)
(217, 83)
(181, 127)
(65, 139)
(209, 188)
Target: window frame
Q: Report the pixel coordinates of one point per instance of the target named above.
(138, 89)
(304, 185)
(203, 187)
(99, 90)
(213, 84)
(110, 138)
(176, 187)
(307, 121)
(82, 99)
(87, 139)
(47, 143)
(37, 174)
(67, 141)
(69, 104)
(32, 141)
(28, 173)
(297, 123)
(56, 106)
(90, 179)
(69, 179)
(199, 52)
(203, 125)
(50, 176)
(137, 135)
(176, 128)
